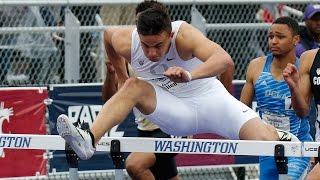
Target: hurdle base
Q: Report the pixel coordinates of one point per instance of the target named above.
(280, 159)
(116, 155)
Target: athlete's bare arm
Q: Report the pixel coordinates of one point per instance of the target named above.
(299, 84)
(110, 85)
(253, 71)
(118, 48)
(191, 42)
(226, 78)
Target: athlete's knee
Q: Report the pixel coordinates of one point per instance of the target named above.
(138, 90)
(255, 129)
(134, 165)
(134, 86)
(132, 83)
(271, 134)
(267, 133)
(134, 168)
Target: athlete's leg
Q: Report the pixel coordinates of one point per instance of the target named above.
(138, 165)
(263, 131)
(256, 129)
(165, 167)
(169, 112)
(134, 93)
(221, 113)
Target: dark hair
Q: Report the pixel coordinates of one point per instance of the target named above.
(150, 4)
(153, 22)
(290, 22)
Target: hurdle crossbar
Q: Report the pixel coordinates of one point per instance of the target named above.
(167, 145)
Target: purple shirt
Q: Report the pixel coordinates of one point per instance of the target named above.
(307, 42)
(300, 48)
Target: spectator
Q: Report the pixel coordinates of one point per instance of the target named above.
(310, 34)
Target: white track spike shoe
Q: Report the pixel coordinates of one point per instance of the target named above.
(81, 141)
(286, 136)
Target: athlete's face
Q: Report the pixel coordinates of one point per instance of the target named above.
(281, 39)
(155, 46)
(313, 24)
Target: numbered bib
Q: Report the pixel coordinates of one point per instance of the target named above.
(279, 122)
(168, 84)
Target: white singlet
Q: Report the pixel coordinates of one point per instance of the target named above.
(199, 106)
(153, 71)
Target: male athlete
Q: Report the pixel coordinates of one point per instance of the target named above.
(176, 87)
(264, 81)
(140, 165)
(305, 84)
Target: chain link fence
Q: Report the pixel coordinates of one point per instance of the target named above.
(33, 43)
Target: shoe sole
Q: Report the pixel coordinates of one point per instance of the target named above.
(64, 130)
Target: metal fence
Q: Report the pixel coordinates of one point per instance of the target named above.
(40, 44)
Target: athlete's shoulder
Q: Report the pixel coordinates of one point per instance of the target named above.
(310, 54)
(121, 39)
(185, 29)
(255, 66)
(124, 31)
(308, 57)
(122, 34)
(116, 34)
(257, 63)
(189, 38)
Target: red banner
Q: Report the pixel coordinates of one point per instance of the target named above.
(22, 111)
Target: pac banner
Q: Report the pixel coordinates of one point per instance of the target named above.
(22, 111)
(82, 103)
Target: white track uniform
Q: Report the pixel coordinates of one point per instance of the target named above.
(199, 106)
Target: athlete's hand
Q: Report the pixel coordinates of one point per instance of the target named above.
(178, 74)
(291, 75)
(112, 76)
(110, 68)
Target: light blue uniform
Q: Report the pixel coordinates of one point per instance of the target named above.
(274, 106)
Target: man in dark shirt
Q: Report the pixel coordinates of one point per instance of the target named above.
(310, 34)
